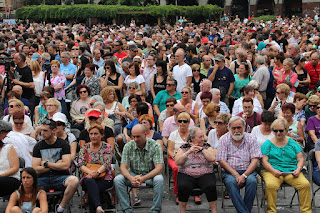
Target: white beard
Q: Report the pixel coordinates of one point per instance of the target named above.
(237, 136)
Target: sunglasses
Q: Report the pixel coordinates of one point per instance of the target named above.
(132, 88)
(278, 130)
(93, 118)
(74, 57)
(85, 91)
(170, 105)
(184, 121)
(318, 91)
(318, 107)
(60, 123)
(312, 106)
(11, 106)
(195, 70)
(184, 92)
(47, 122)
(18, 123)
(74, 49)
(169, 85)
(108, 68)
(218, 122)
(91, 104)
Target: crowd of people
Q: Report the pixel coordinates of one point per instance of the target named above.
(236, 95)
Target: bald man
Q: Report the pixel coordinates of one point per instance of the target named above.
(182, 72)
(206, 65)
(141, 163)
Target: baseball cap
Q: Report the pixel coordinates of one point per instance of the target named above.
(59, 117)
(35, 56)
(219, 57)
(94, 113)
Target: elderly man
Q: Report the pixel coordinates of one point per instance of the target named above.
(293, 50)
(205, 87)
(51, 160)
(216, 100)
(313, 68)
(66, 68)
(238, 154)
(97, 60)
(262, 76)
(137, 171)
(21, 143)
(182, 72)
(148, 72)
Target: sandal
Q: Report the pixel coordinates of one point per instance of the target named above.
(197, 200)
(136, 201)
(226, 195)
(177, 200)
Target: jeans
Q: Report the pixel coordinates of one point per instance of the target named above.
(241, 205)
(316, 177)
(55, 182)
(121, 184)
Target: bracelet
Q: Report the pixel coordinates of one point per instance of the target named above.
(299, 167)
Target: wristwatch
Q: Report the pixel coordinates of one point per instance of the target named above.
(46, 164)
(245, 176)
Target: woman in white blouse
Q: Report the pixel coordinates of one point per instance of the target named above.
(221, 124)
(263, 132)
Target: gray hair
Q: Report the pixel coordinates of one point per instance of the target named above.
(97, 98)
(214, 90)
(296, 46)
(192, 133)
(173, 80)
(5, 126)
(46, 56)
(11, 43)
(66, 54)
(235, 118)
(260, 60)
(125, 64)
(99, 103)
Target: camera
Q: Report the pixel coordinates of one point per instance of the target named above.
(7, 62)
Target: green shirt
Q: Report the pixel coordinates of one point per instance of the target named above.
(309, 114)
(238, 84)
(284, 158)
(161, 98)
(203, 71)
(142, 161)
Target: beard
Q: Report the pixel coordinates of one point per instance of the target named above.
(237, 136)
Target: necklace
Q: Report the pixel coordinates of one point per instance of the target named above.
(183, 135)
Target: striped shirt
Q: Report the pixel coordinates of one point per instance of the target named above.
(238, 157)
(142, 161)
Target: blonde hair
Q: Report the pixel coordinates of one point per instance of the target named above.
(210, 108)
(280, 121)
(184, 115)
(314, 99)
(54, 102)
(223, 116)
(106, 92)
(284, 88)
(35, 67)
(188, 88)
(289, 61)
(18, 103)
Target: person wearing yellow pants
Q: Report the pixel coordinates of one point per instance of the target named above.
(282, 161)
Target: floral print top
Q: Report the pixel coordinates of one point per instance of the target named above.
(103, 157)
(300, 115)
(59, 79)
(93, 83)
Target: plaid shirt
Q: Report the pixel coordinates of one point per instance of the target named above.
(142, 161)
(238, 157)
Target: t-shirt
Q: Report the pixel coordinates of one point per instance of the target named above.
(262, 76)
(283, 43)
(223, 78)
(261, 138)
(238, 84)
(67, 70)
(52, 153)
(180, 74)
(213, 139)
(120, 56)
(313, 123)
(252, 121)
(261, 45)
(25, 75)
(108, 133)
(132, 123)
(178, 141)
(81, 107)
(309, 113)
(314, 73)
(139, 79)
(161, 98)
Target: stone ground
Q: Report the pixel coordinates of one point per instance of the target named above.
(168, 204)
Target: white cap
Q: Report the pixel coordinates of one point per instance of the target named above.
(59, 117)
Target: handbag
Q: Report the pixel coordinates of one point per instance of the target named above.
(93, 166)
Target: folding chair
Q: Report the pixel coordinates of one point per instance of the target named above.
(129, 190)
(311, 160)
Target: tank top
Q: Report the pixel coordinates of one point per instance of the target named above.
(294, 129)
(5, 164)
(159, 86)
(115, 83)
(27, 207)
(116, 118)
(42, 112)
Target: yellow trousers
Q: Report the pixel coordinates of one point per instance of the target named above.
(273, 184)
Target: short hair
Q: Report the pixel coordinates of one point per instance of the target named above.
(51, 123)
(98, 127)
(66, 54)
(214, 90)
(46, 56)
(223, 116)
(125, 64)
(54, 102)
(235, 118)
(96, 98)
(192, 133)
(173, 80)
(136, 67)
(105, 94)
(5, 126)
(284, 88)
(81, 86)
(289, 61)
(18, 115)
(260, 59)
(55, 62)
(206, 95)
(171, 99)
(92, 67)
(267, 117)
(142, 108)
(99, 103)
(184, 115)
(135, 84)
(289, 106)
(147, 118)
(299, 96)
(195, 66)
(280, 121)
(211, 108)
(247, 99)
(18, 102)
(45, 95)
(314, 99)
(13, 94)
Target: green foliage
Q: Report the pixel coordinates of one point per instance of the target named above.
(31, 2)
(266, 18)
(85, 11)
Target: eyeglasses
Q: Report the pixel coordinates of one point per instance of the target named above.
(184, 121)
(93, 118)
(195, 70)
(218, 122)
(170, 105)
(135, 51)
(184, 92)
(278, 130)
(85, 91)
(59, 123)
(169, 85)
(18, 123)
(50, 105)
(312, 106)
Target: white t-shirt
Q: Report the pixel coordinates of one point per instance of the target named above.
(237, 107)
(261, 138)
(139, 79)
(213, 139)
(175, 137)
(27, 119)
(201, 113)
(180, 74)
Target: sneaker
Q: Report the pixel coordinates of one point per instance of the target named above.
(136, 201)
(56, 208)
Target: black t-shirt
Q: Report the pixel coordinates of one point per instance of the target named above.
(25, 75)
(52, 153)
(108, 133)
(283, 43)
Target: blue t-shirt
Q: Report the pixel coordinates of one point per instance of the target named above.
(67, 70)
(161, 98)
(261, 45)
(223, 78)
(132, 123)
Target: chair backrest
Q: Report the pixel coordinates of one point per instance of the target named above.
(22, 163)
(76, 132)
(312, 155)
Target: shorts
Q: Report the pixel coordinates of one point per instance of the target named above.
(55, 182)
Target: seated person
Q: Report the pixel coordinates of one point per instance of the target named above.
(312, 106)
(95, 117)
(51, 160)
(264, 132)
(252, 118)
(133, 100)
(168, 112)
(132, 173)
(28, 195)
(132, 89)
(14, 95)
(142, 95)
(316, 170)
(313, 129)
(147, 122)
(40, 111)
(106, 121)
(207, 123)
(19, 124)
(18, 91)
(206, 98)
(282, 162)
(195, 160)
(65, 134)
(16, 105)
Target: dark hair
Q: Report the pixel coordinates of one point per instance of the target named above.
(112, 66)
(267, 116)
(142, 108)
(80, 86)
(206, 95)
(84, 62)
(35, 46)
(246, 89)
(92, 67)
(171, 99)
(280, 57)
(192, 48)
(35, 188)
(289, 106)
(18, 115)
(173, 80)
(136, 67)
(163, 65)
(247, 100)
(49, 89)
(134, 96)
(45, 95)
(49, 122)
(13, 94)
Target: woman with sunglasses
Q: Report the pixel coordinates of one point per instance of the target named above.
(190, 105)
(282, 97)
(19, 125)
(79, 107)
(313, 129)
(207, 123)
(197, 79)
(282, 162)
(221, 124)
(176, 139)
(15, 105)
(263, 132)
(159, 80)
(134, 76)
(170, 102)
(111, 78)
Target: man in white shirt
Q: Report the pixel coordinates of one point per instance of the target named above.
(182, 72)
(97, 60)
(149, 71)
(262, 76)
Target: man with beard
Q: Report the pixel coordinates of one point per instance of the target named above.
(238, 154)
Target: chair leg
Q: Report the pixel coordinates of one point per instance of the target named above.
(257, 197)
(295, 192)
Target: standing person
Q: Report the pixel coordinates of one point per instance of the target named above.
(38, 79)
(111, 78)
(120, 54)
(182, 72)
(23, 77)
(222, 78)
(313, 68)
(51, 160)
(91, 80)
(159, 80)
(141, 171)
(262, 76)
(287, 75)
(242, 78)
(149, 71)
(66, 68)
(303, 75)
(237, 144)
(134, 76)
(197, 79)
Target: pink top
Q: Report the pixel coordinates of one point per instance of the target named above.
(292, 77)
(170, 125)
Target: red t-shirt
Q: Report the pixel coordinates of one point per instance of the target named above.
(204, 40)
(120, 56)
(314, 73)
(251, 121)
